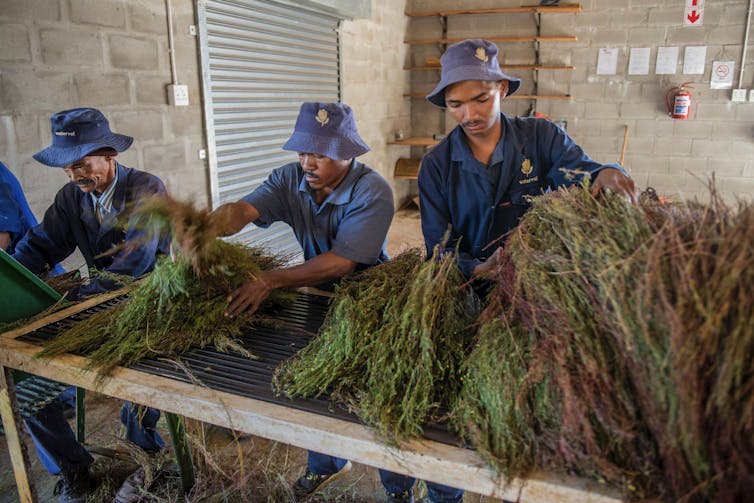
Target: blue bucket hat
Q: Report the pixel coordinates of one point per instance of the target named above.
(472, 59)
(78, 132)
(327, 129)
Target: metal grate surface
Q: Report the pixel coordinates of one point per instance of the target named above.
(234, 373)
(33, 393)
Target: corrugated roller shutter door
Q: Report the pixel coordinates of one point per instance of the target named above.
(260, 61)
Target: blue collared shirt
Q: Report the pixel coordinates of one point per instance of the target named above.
(105, 200)
(15, 215)
(455, 193)
(351, 223)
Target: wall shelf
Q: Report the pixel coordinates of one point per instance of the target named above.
(503, 67)
(533, 38)
(512, 97)
(537, 9)
(408, 168)
(419, 141)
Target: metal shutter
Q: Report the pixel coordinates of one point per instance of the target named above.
(260, 61)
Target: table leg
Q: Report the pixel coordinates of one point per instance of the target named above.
(80, 415)
(11, 421)
(177, 430)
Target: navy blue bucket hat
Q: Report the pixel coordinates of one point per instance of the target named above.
(472, 59)
(327, 129)
(78, 132)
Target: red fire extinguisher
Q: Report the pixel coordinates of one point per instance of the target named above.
(680, 106)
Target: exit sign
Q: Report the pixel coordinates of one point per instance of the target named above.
(694, 13)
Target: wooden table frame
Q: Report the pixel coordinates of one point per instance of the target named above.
(424, 459)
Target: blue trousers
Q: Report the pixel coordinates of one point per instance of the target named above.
(56, 443)
(323, 464)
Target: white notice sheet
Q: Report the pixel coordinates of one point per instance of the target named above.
(694, 57)
(667, 60)
(638, 62)
(607, 61)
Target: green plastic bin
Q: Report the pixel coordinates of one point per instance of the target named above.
(22, 294)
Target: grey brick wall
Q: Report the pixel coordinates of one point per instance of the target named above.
(373, 84)
(112, 54)
(676, 157)
(108, 54)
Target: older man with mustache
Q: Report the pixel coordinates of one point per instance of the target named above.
(88, 213)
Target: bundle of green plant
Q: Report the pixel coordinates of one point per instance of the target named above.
(62, 283)
(171, 310)
(507, 407)
(638, 321)
(391, 345)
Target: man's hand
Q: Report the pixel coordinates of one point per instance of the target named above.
(4, 240)
(615, 181)
(490, 265)
(315, 271)
(248, 297)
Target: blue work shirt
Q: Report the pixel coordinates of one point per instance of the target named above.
(352, 222)
(455, 193)
(70, 223)
(15, 215)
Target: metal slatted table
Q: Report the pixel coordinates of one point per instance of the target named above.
(233, 391)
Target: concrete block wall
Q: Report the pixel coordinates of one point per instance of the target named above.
(676, 157)
(107, 54)
(373, 84)
(112, 55)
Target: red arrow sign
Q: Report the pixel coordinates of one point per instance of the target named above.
(693, 17)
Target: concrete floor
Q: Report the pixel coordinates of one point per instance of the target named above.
(103, 427)
(405, 231)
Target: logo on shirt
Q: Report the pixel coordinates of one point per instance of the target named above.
(526, 167)
(322, 117)
(481, 55)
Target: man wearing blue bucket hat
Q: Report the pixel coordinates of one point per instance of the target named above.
(340, 211)
(88, 214)
(478, 181)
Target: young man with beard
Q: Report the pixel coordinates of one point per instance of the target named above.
(477, 182)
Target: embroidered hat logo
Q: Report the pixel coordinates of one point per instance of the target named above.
(526, 167)
(481, 55)
(322, 117)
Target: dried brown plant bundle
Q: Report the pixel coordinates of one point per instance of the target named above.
(229, 467)
(634, 323)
